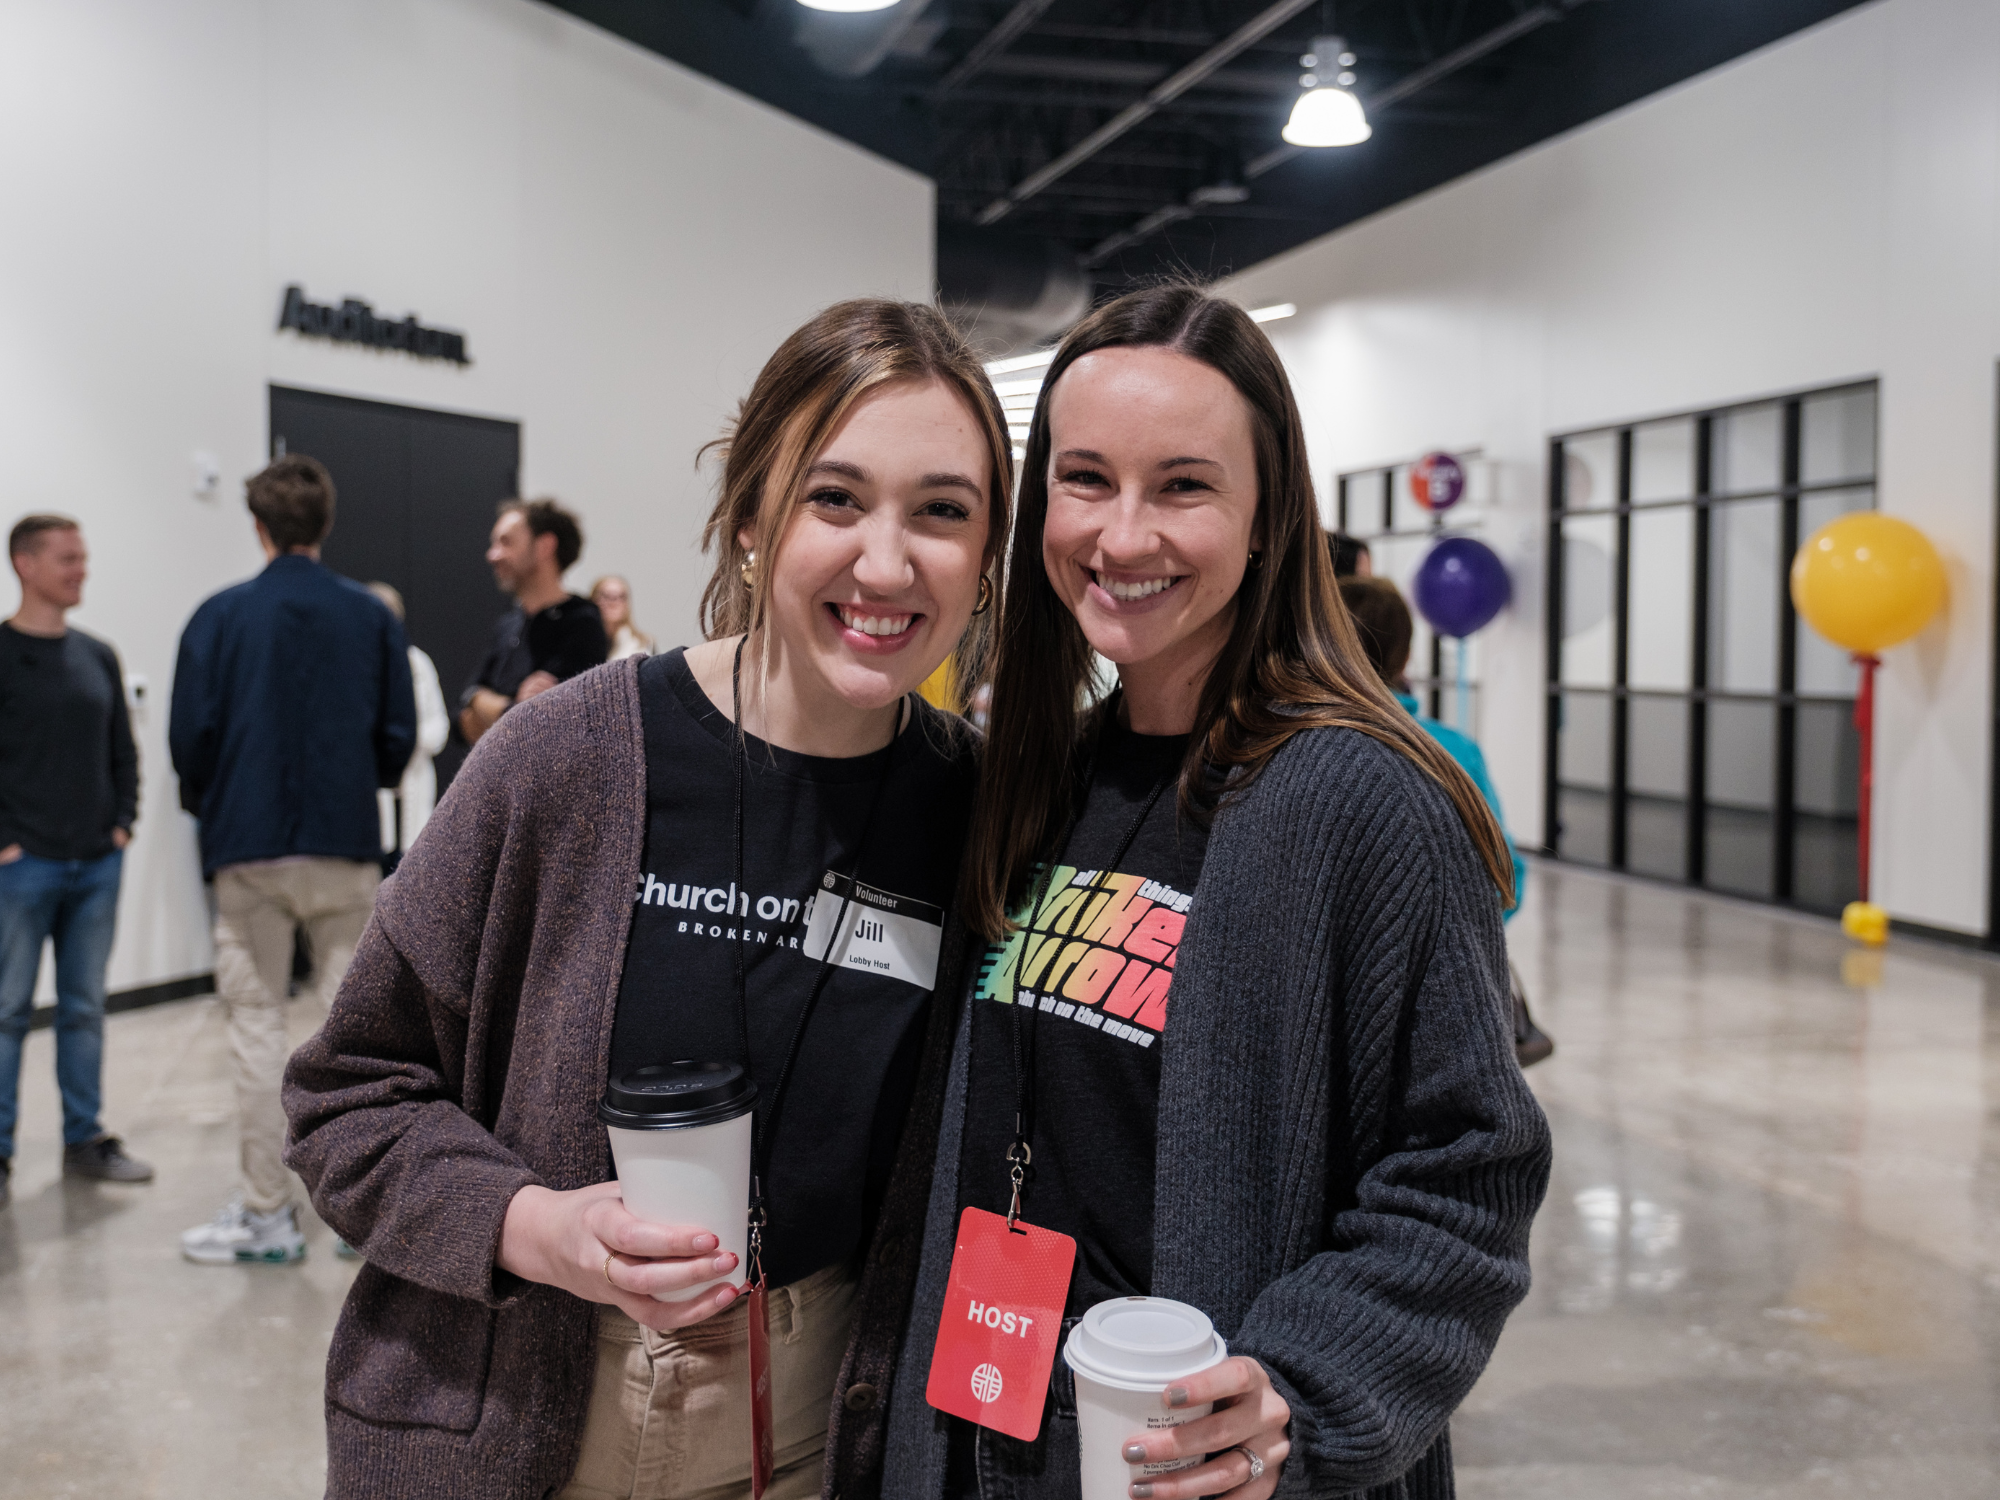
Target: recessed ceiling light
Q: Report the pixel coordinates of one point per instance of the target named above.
(1272, 313)
(847, 6)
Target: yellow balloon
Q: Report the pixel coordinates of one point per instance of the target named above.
(1866, 581)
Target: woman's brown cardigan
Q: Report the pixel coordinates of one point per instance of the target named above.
(463, 1060)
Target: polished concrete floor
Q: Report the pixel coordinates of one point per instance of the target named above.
(1768, 1266)
(124, 1370)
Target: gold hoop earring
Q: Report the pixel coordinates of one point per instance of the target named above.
(1256, 559)
(985, 596)
(749, 569)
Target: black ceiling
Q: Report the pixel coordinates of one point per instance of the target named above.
(1077, 63)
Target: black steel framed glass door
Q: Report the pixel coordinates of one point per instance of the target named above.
(1697, 729)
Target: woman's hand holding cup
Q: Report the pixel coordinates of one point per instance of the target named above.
(587, 1242)
(1249, 1413)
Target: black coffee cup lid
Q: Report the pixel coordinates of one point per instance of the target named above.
(674, 1095)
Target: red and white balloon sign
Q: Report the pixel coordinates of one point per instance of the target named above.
(1437, 481)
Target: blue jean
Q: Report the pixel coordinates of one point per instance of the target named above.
(75, 902)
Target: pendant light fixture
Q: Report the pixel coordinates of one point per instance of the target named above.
(1327, 113)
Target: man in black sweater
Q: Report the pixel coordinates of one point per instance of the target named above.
(549, 635)
(69, 792)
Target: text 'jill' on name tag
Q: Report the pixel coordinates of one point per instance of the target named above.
(882, 933)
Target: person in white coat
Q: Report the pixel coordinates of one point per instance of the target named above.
(417, 794)
(613, 597)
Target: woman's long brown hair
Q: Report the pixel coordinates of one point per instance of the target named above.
(812, 381)
(1292, 661)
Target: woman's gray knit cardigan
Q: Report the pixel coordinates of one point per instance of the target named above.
(1349, 1159)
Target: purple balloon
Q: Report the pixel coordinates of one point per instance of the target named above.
(1461, 586)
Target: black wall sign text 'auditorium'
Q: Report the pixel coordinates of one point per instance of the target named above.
(354, 322)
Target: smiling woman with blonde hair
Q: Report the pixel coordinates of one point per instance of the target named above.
(667, 858)
(613, 597)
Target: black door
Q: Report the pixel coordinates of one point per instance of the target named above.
(416, 492)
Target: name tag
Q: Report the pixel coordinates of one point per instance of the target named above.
(882, 933)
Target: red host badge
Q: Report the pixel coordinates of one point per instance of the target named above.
(1002, 1321)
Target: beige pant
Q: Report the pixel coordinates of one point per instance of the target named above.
(670, 1412)
(258, 908)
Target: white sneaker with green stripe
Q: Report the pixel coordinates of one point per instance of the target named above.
(238, 1237)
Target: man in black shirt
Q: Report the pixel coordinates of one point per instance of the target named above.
(69, 792)
(549, 635)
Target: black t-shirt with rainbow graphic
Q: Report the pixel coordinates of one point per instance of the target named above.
(1096, 964)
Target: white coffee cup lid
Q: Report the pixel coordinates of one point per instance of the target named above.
(1143, 1343)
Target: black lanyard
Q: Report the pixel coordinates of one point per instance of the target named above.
(1020, 1151)
(766, 1124)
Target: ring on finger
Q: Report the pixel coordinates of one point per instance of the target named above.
(1256, 1463)
(609, 1256)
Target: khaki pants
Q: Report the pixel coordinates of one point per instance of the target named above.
(258, 908)
(670, 1412)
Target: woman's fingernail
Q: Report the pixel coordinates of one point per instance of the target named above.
(1135, 1453)
(704, 1243)
(1177, 1395)
(1142, 1491)
(724, 1263)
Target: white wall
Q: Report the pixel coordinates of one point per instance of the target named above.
(622, 240)
(1828, 208)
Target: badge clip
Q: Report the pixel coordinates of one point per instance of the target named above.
(1020, 1156)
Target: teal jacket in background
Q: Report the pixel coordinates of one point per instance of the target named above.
(1464, 749)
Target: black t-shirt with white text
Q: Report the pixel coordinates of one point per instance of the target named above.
(1096, 963)
(803, 823)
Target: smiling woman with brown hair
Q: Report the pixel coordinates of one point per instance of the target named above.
(638, 867)
(1242, 1003)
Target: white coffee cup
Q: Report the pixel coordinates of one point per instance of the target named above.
(1124, 1354)
(680, 1138)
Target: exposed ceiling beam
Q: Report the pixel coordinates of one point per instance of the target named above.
(1024, 14)
(1145, 229)
(1164, 93)
(1078, 69)
(1118, 70)
(1068, 101)
(1144, 34)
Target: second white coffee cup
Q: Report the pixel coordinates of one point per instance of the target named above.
(1124, 1354)
(680, 1138)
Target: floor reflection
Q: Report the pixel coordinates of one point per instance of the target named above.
(1767, 1268)
(1767, 1265)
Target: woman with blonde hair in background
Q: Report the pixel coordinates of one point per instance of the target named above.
(613, 597)
(639, 867)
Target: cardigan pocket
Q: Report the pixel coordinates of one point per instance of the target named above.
(410, 1356)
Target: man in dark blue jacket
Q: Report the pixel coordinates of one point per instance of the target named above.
(292, 704)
